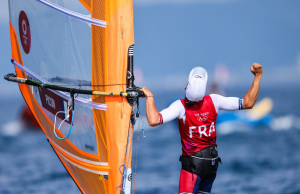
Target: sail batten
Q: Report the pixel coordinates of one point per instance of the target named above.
(73, 14)
(83, 168)
(79, 158)
(62, 94)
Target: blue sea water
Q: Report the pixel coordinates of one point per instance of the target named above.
(254, 161)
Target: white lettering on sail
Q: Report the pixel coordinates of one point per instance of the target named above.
(50, 101)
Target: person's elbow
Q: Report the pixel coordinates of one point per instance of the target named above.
(153, 123)
(247, 105)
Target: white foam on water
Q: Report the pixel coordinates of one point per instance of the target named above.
(285, 123)
(12, 128)
(231, 127)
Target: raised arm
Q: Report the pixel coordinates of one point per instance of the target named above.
(251, 96)
(151, 111)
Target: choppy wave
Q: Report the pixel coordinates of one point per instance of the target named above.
(285, 123)
(12, 128)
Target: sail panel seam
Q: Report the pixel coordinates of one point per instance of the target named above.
(78, 158)
(83, 168)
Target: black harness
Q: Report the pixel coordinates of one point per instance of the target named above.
(203, 163)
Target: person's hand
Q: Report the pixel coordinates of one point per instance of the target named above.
(147, 92)
(256, 69)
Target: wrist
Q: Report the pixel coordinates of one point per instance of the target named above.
(149, 94)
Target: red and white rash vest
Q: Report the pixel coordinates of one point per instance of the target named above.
(197, 124)
(199, 129)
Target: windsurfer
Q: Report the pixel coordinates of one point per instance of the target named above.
(197, 115)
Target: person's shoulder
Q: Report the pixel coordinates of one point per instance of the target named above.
(178, 102)
(215, 96)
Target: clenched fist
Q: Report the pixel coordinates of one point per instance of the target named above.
(147, 92)
(256, 69)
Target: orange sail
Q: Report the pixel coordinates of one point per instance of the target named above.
(90, 50)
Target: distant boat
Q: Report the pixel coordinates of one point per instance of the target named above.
(259, 115)
(27, 119)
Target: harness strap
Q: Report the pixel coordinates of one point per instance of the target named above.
(204, 158)
(186, 162)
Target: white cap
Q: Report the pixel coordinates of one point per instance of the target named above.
(196, 87)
